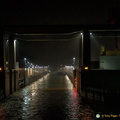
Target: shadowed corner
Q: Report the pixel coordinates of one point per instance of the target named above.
(3, 115)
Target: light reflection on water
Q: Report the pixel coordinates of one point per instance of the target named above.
(49, 98)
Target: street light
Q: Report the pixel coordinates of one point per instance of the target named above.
(25, 62)
(28, 64)
(15, 45)
(74, 62)
(90, 33)
(0, 69)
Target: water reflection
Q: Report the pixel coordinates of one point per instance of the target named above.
(52, 97)
(72, 105)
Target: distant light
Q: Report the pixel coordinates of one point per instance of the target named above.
(97, 115)
(90, 33)
(81, 33)
(25, 59)
(33, 93)
(86, 68)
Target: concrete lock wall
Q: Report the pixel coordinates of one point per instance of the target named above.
(70, 72)
(7, 82)
(2, 84)
(100, 84)
(110, 62)
(18, 78)
(2, 71)
(11, 81)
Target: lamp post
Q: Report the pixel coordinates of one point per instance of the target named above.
(81, 65)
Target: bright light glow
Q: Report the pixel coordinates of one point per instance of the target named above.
(45, 66)
(97, 115)
(86, 68)
(67, 77)
(69, 66)
(81, 33)
(33, 93)
(0, 69)
(90, 33)
(69, 84)
(25, 59)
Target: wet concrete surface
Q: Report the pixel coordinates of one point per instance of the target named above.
(51, 97)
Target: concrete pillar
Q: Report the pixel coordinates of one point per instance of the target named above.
(12, 63)
(6, 54)
(78, 80)
(86, 49)
(81, 50)
(84, 56)
(12, 52)
(2, 65)
(1, 51)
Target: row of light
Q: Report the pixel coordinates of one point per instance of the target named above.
(29, 65)
(82, 33)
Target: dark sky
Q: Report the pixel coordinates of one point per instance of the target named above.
(56, 11)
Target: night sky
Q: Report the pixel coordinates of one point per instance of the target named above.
(53, 12)
(56, 11)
